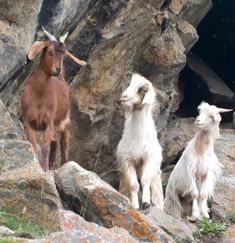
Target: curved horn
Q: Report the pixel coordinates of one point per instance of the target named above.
(75, 59)
(63, 37)
(50, 36)
(222, 110)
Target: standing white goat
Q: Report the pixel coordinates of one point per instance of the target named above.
(193, 179)
(139, 153)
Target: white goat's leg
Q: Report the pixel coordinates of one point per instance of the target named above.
(134, 186)
(203, 206)
(148, 172)
(207, 186)
(195, 196)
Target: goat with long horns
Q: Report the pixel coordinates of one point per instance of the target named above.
(45, 101)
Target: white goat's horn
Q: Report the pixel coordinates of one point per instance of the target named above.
(63, 37)
(222, 110)
(50, 36)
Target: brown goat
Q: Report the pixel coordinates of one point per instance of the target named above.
(45, 101)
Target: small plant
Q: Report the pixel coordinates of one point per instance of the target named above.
(230, 215)
(8, 240)
(209, 228)
(22, 225)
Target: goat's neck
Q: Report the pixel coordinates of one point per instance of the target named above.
(205, 140)
(42, 80)
(140, 117)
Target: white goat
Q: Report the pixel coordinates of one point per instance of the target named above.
(193, 179)
(139, 153)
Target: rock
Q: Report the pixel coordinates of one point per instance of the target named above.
(176, 6)
(224, 196)
(175, 137)
(25, 186)
(102, 204)
(76, 229)
(188, 34)
(176, 228)
(59, 16)
(17, 30)
(135, 45)
(166, 51)
(219, 91)
(4, 231)
(229, 235)
(116, 38)
(195, 11)
(8, 128)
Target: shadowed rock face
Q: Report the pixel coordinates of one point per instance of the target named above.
(115, 38)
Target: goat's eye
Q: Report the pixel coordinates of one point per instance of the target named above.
(142, 90)
(211, 117)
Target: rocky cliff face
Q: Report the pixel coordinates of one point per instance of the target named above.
(115, 37)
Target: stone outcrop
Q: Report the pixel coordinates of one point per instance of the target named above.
(116, 38)
(75, 229)
(18, 24)
(175, 227)
(23, 184)
(223, 200)
(102, 204)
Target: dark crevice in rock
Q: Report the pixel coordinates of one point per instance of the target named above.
(215, 82)
(70, 202)
(217, 37)
(47, 11)
(194, 91)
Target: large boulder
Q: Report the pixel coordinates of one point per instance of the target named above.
(175, 137)
(23, 184)
(224, 196)
(75, 229)
(138, 44)
(178, 229)
(8, 127)
(100, 203)
(17, 30)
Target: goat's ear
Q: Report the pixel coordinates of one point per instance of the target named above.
(216, 117)
(36, 48)
(149, 97)
(75, 59)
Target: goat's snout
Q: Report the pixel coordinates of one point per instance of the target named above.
(124, 98)
(57, 71)
(197, 121)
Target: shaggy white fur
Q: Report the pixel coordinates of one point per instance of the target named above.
(193, 179)
(139, 153)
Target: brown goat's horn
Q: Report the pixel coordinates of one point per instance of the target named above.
(222, 110)
(50, 36)
(63, 37)
(75, 59)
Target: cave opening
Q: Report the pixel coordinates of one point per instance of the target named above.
(211, 62)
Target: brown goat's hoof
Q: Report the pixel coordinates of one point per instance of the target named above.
(146, 205)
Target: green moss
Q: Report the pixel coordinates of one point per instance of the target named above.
(22, 225)
(230, 215)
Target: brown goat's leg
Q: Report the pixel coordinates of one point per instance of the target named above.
(46, 142)
(52, 156)
(32, 137)
(64, 143)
